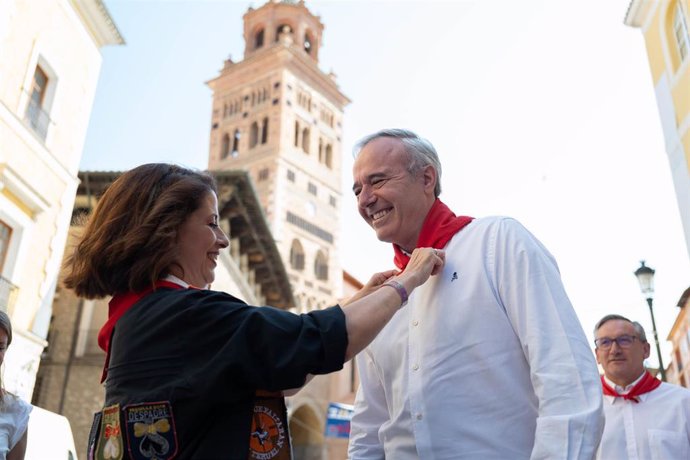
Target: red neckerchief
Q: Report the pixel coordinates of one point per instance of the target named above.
(117, 307)
(646, 384)
(440, 224)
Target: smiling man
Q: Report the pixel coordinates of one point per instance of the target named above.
(486, 361)
(645, 418)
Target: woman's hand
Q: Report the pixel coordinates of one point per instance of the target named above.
(373, 284)
(371, 308)
(423, 263)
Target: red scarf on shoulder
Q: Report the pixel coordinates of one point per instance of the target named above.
(117, 307)
(440, 224)
(646, 384)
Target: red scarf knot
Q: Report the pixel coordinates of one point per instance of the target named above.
(646, 384)
(440, 225)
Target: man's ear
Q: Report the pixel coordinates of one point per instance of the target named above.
(647, 347)
(430, 178)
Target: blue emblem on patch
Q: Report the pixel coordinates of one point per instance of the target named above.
(150, 429)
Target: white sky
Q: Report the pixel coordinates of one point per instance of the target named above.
(540, 110)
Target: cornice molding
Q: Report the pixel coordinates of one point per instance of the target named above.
(98, 22)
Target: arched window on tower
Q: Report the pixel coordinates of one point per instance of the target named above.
(320, 150)
(305, 140)
(329, 156)
(253, 135)
(264, 131)
(307, 43)
(225, 146)
(321, 266)
(297, 255)
(297, 134)
(236, 143)
(283, 29)
(259, 39)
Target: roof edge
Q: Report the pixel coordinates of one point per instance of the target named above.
(98, 22)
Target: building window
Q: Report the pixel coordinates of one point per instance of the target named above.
(36, 115)
(253, 135)
(680, 31)
(332, 201)
(328, 160)
(283, 29)
(305, 140)
(291, 175)
(263, 174)
(236, 143)
(5, 234)
(297, 255)
(304, 100)
(321, 267)
(307, 44)
(264, 131)
(312, 188)
(297, 134)
(225, 146)
(259, 39)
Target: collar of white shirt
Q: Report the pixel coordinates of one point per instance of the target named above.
(175, 280)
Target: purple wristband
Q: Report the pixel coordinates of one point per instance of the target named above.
(400, 289)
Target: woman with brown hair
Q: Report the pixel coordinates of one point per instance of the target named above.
(191, 372)
(14, 412)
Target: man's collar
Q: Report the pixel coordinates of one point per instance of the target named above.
(623, 390)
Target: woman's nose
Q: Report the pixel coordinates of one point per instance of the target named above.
(223, 239)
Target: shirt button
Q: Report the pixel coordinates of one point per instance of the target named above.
(419, 416)
(415, 367)
(415, 323)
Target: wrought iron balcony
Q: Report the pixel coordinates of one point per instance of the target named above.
(8, 294)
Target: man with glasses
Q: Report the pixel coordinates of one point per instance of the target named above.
(645, 418)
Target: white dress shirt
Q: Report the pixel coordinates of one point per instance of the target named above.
(487, 361)
(656, 428)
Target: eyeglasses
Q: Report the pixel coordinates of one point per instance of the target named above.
(624, 341)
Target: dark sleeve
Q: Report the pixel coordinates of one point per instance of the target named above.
(264, 347)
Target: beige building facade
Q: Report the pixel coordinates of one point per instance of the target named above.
(46, 96)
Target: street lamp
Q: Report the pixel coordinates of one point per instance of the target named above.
(645, 276)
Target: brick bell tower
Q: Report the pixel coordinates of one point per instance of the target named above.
(279, 117)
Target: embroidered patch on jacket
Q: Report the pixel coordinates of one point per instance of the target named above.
(268, 438)
(150, 431)
(109, 444)
(93, 436)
